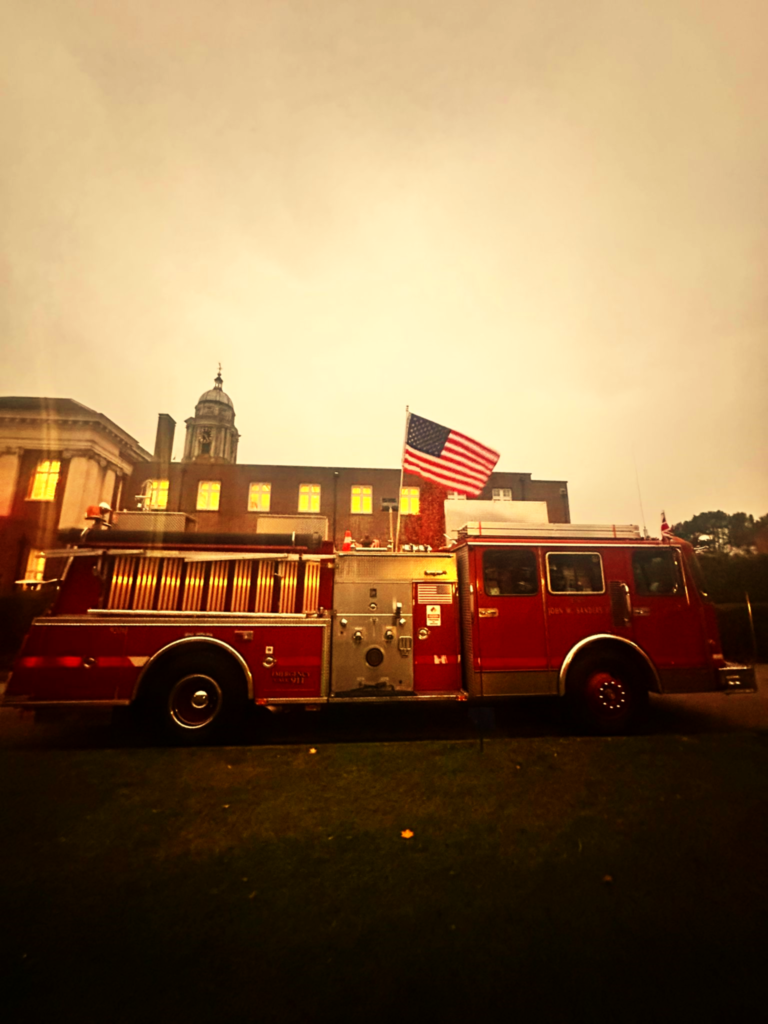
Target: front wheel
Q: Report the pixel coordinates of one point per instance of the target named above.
(607, 695)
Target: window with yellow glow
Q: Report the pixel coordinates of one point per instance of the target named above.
(157, 494)
(35, 566)
(259, 497)
(208, 494)
(44, 481)
(309, 497)
(362, 499)
(409, 501)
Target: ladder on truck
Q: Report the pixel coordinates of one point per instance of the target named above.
(594, 531)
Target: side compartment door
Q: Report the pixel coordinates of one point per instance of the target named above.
(82, 661)
(288, 661)
(510, 623)
(436, 659)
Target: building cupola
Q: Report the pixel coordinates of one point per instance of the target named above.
(211, 433)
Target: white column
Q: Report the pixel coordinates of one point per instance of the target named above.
(108, 486)
(83, 489)
(9, 476)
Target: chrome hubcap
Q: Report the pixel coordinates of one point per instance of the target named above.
(194, 701)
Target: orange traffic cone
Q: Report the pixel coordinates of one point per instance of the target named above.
(347, 545)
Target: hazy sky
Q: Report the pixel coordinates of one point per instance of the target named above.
(542, 223)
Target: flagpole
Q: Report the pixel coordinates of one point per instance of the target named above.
(400, 491)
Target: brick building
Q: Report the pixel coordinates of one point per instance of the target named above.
(230, 499)
(210, 492)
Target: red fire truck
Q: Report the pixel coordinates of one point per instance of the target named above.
(190, 628)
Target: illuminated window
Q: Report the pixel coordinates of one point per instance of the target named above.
(44, 481)
(259, 496)
(409, 501)
(362, 499)
(208, 494)
(502, 494)
(309, 497)
(156, 492)
(35, 566)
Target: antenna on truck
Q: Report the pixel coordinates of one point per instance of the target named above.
(639, 495)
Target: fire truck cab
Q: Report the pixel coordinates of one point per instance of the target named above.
(593, 613)
(190, 628)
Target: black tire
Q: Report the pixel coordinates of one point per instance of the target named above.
(196, 698)
(608, 695)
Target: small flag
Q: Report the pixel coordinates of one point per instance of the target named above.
(664, 525)
(449, 458)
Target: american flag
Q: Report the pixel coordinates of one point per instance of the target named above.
(449, 458)
(435, 593)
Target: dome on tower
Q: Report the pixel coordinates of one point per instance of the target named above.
(216, 394)
(211, 433)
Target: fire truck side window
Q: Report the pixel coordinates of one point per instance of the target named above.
(656, 572)
(570, 573)
(510, 573)
(698, 575)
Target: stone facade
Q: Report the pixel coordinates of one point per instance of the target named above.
(57, 457)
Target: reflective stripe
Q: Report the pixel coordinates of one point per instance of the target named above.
(74, 661)
(50, 662)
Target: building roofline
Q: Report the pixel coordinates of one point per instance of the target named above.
(65, 410)
(346, 469)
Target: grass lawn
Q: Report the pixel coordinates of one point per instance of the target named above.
(556, 879)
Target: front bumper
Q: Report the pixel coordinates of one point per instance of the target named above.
(737, 679)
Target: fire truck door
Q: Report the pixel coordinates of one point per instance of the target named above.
(666, 624)
(510, 623)
(373, 639)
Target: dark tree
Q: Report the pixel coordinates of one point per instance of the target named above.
(738, 530)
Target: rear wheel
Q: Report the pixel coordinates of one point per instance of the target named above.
(608, 695)
(195, 701)
(195, 698)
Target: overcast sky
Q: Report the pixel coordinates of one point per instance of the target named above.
(542, 223)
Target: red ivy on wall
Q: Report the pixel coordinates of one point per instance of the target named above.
(428, 527)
